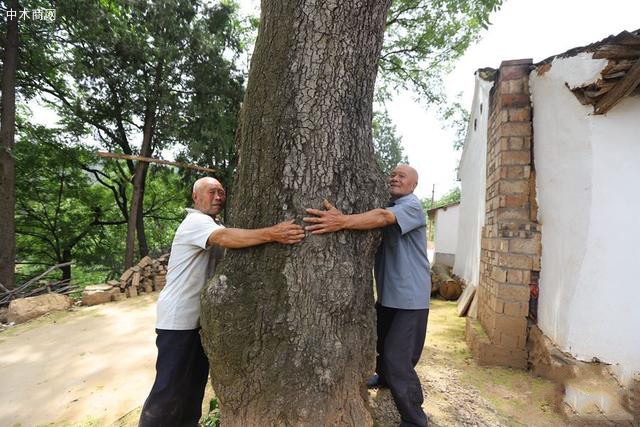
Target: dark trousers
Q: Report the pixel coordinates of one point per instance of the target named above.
(401, 335)
(182, 369)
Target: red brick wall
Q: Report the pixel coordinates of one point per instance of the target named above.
(510, 243)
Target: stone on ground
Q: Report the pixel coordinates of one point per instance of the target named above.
(23, 309)
(96, 294)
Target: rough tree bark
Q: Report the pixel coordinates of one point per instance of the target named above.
(7, 163)
(289, 330)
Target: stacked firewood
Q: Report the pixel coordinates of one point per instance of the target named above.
(147, 276)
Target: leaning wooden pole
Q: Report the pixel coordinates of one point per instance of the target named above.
(108, 155)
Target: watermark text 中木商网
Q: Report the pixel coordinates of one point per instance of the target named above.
(34, 14)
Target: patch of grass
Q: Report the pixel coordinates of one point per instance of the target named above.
(518, 397)
(212, 419)
(445, 330)
(84, 276)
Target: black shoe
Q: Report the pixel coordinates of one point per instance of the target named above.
(375, 381)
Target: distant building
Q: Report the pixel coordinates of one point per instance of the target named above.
(445, 220)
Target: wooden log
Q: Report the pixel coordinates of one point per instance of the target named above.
(448, 288)
(441, 273)
(32, 281)
(435, 284)
(144, 262)
(126, 275)
(135, 281)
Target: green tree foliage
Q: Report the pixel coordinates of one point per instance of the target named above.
(456, 116)
(452, 196)
(142, 76)
(386, 142)
(57, 207)
(422, 40)
(63, 213)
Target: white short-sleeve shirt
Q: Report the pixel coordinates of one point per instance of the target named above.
(191, 264)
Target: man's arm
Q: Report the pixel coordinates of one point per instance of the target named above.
(285, 232)
(332, 220)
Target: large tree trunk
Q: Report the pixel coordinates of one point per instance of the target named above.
(7, 163)
(289, 330)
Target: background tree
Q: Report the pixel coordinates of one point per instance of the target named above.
(26, 45)
(10, 42)
(132, 75)
(423, 38)
(57, 205)
(64, 214)
(304, 135)
(386, 143)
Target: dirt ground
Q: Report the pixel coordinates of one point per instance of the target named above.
(94, 367)
(460, 393)
(85, 367)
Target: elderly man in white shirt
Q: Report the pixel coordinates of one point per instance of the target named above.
(198, 246)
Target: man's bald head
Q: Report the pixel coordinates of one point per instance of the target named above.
(402, 181)
(208, 196)
(201, 183)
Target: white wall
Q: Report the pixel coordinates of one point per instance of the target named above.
(588, 172)
(446, 232)
(472, 176)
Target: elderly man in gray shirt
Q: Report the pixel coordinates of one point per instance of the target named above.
(403, 285)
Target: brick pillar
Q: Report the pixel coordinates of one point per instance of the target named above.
(510, 242)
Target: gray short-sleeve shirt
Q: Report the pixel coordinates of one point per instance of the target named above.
(402, 267)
